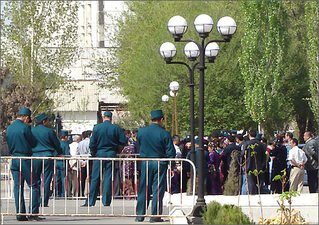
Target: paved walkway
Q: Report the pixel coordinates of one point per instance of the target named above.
(115, 214)
(81, 220)
(118, 209)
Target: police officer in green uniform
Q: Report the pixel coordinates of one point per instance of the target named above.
(61, 165)
(154, 142)
(47, 144)
(20, 142)
(105, 142)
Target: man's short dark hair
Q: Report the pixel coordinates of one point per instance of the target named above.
(240, 137)
(289, 134)
(176, 138)
(253, 133)
(231, 138)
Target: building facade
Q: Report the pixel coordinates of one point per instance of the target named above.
(81, 108)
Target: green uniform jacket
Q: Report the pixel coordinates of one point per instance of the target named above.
(106, 137)
(155, 142)
(65, 147)
(46, 140)
(20, 139)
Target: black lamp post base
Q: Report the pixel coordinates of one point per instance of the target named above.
(196, 217)
(198, 210)
(195, 220)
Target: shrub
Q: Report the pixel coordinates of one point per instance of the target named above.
(210, 214)
(215, 213)
(231, 186)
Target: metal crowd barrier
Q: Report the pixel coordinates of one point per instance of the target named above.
(124, 183)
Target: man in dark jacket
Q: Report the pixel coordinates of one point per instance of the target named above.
(20, 142)
(226, 155)
(154, 142)
(254, 162)
(311, 149)
(279, 165)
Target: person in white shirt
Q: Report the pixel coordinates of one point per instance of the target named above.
(73, 163)
(85, 171)
(297, 159)
(176, 142)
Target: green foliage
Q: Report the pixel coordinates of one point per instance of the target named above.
(288, 195)
(260, 76)
(255, 172)
(273, 62)
(282, 177)
(287, 212)
(211, 212)
(312, 24)
(224, 214)
(39, 40)
(140, 67)
(296, 77)
(262, 60)
(104, 70)
(277, 177)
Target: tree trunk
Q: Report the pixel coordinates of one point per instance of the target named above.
(301, 122)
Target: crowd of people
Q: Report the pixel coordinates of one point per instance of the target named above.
(235, 163)
(253, 165)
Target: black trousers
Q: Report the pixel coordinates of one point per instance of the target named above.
(313, 180)
(253, 187)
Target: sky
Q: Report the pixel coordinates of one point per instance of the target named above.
(2, 3)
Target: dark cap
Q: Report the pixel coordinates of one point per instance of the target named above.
(39, 118)
(157, 114)
(64, 133)
(108, 114)
(24, 111)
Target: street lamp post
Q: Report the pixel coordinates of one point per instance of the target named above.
(165, 99)
(203, 23)
(174, 86)
(168, 51)
(173, 113)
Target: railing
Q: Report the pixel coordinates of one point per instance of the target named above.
(124, 186)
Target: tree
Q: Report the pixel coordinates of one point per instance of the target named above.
(144, 77)
(296, 77)
(271, 75)
(312, 25)
(280, 81)
(262, 61)
(38, 42)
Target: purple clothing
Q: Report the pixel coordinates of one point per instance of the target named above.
(213, 179)
(175, 181)
(128, 166)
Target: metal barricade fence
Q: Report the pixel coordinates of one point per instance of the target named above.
(76, 180)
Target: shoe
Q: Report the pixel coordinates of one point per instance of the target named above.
(22, 218)
(86, 205)
(35, 218)
(45, 205)
(156, 220)
(139, 219)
